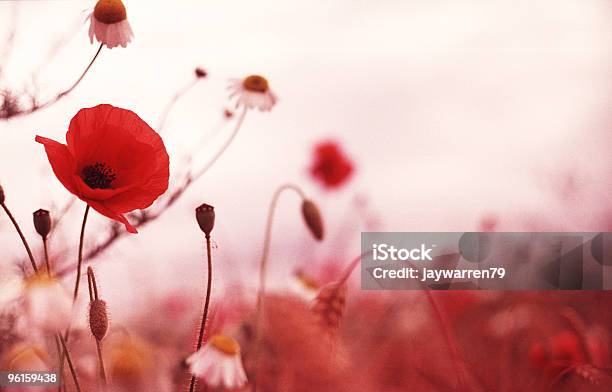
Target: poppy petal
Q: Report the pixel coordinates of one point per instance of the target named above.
(62, 162)
(102, 209)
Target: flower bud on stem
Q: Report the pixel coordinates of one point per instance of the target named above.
(205, 215)
(42, 224)
(314, 222)
(98, 320)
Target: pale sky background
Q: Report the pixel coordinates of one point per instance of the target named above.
(451, 110)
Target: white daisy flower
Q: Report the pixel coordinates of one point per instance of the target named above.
(219, 363)
(109, 24)
(252, 92)
(49, 306)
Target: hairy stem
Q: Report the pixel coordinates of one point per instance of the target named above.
(46, 256)
(192, 383)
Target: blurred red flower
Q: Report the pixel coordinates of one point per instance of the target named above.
(112, 160)
(558, 353)
(331, 166)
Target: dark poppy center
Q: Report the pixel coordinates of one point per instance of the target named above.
(98, 176)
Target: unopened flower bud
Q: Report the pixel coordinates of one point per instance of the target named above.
(313, 218)
(205, 215)
(2, 198)
(200, 73)
(98, 319)
(42, 222)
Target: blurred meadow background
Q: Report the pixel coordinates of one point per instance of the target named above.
(457, 115)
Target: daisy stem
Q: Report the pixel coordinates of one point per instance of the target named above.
(192, 383)
(80, 261)
(214, 159)
(23, 239)
(263, 265)
(93, 295)
(70, 364)
(172, 102)
(69, 90)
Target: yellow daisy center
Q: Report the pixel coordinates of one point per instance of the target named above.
(225, 344)
(256, 84)
(110, 11)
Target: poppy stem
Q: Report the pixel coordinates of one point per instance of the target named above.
(78, 276)
(23, 239)
(192, 383)
(70, 364)
(80, 261)
(46, 256)
(263, 265)
(351, 267)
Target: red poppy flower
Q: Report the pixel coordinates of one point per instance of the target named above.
(331, 166)
(112, 160)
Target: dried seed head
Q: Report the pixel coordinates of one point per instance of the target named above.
(313, 218)
(200, 73)
(42, 222)
(98, 319)
(256, 84)
(109, 11)
(205, 215)
(328, 306)
(2, 197)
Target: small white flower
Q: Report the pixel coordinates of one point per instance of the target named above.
(109, 24)
(252, 92)
(49, 306)
(219, 363)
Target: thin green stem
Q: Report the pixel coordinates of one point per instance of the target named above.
(192, 383)
(23, 239)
